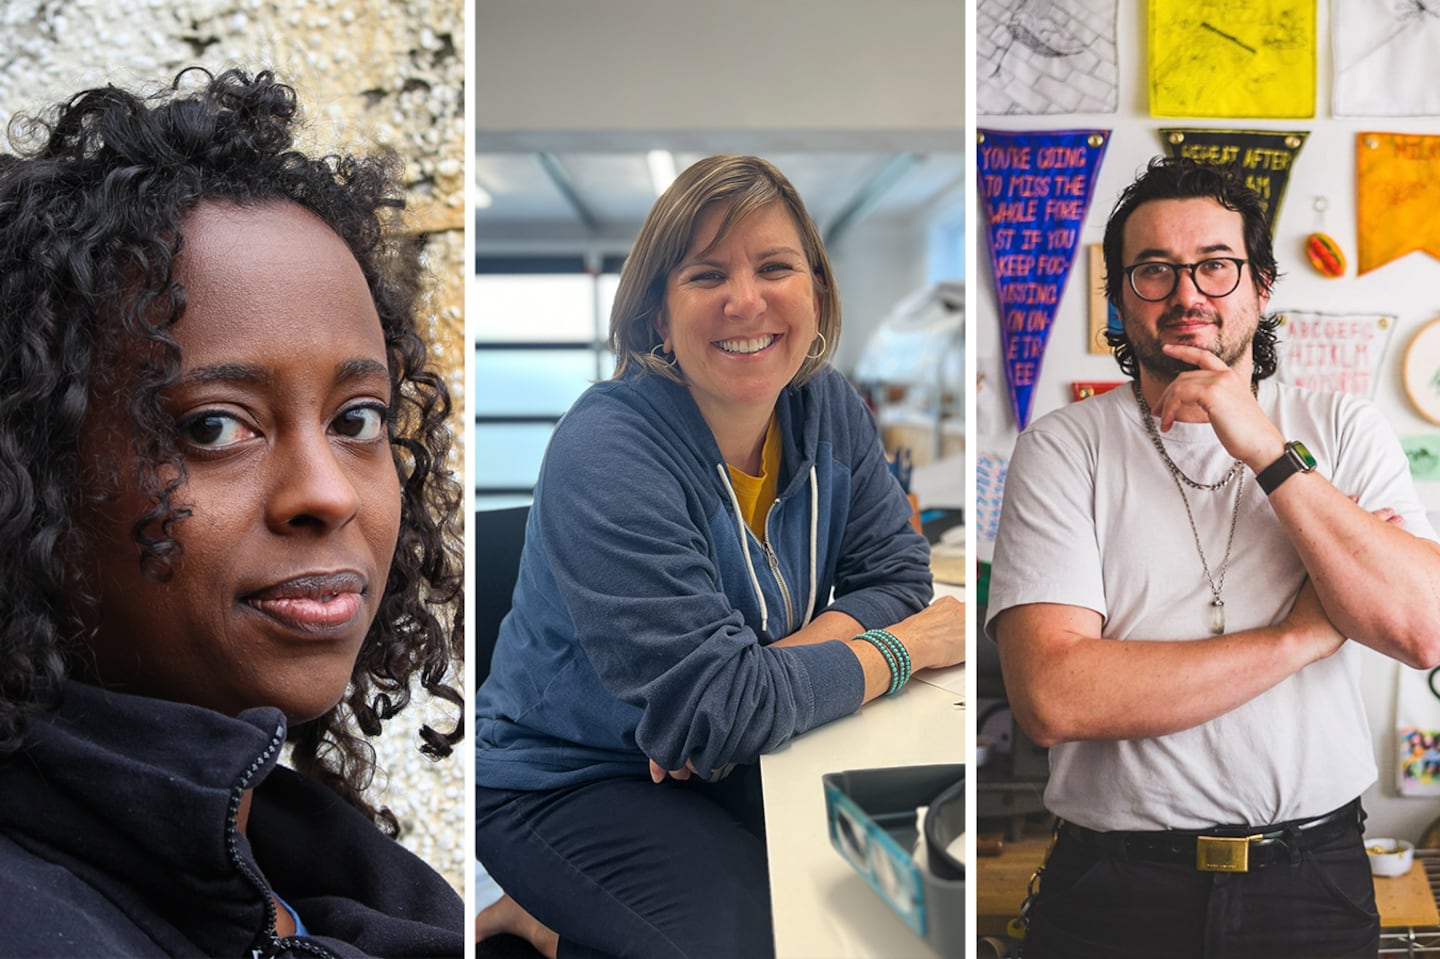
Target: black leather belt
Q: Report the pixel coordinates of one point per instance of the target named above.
(1225, 848)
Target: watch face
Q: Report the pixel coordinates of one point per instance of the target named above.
(1307, 461)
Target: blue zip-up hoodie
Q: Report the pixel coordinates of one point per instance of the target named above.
(645, 607)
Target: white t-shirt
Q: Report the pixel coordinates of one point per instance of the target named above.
(1092, 518)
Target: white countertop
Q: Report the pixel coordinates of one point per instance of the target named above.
(822, 908)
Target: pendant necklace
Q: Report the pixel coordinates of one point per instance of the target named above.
(1216, 580)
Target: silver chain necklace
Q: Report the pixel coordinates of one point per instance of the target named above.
(1216, 581)
(1175, 471)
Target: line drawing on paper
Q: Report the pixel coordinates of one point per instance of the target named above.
(1387, 57)
(1235, 40)
(1046, 56)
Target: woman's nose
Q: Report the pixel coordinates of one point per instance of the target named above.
(309, 486)
(745, 299)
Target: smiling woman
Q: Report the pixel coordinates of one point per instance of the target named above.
(716, 561)
(227, 519)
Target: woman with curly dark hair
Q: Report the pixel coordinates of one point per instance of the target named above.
(226, 523)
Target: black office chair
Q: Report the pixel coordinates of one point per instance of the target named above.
(499, 537)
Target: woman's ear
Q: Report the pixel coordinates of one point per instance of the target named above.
(660, 323)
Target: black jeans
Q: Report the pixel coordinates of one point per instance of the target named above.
(628, 867)
(1094, 904)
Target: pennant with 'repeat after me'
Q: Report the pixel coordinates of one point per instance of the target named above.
(1266, 157)
(1036, 188)
(1397, 194)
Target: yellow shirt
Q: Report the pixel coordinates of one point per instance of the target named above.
(757, 493)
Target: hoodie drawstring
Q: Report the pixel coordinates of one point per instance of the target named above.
(745, 545)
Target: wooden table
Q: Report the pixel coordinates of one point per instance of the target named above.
(1000, 882)
(1406, 901)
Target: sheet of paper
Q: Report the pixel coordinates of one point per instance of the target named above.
(1045, 56)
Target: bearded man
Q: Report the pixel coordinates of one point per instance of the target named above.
(1182, 574)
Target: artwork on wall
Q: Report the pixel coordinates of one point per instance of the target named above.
(990, 470)
(1103, 316)
(1385, 57)
(1045, 56)
(1337, 352)
(1267, 157)
(1232, 58)
(1417, 732)
(1423, 452)
(1084, 389)
(1397, 193)
(1036, 188)
(1421, 371)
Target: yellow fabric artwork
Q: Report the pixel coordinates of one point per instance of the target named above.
(1397, 191)
(1232, 58)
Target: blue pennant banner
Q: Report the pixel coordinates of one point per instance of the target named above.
(1036, 188)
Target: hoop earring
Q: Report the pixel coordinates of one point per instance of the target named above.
(657, 351)
(823, 347)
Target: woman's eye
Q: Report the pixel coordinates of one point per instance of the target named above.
(361, 422)
(777, 268)
(213, 430)
(709, 276)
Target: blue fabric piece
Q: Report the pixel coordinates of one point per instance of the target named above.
(636, 631)
(300, 929)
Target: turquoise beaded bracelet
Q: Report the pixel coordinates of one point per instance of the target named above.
(897, 657)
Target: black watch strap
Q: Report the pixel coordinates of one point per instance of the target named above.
(1295, 459)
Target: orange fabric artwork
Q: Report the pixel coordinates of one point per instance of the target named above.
(1397, 191)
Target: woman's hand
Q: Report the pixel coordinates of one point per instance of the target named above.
(935, 636)
(659, 772)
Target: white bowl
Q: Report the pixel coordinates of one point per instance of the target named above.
(1389, 857)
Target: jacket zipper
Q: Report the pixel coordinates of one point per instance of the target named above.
(774, 562)
(275, 943)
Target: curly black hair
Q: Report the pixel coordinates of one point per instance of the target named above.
(1169, 178)
(91, 208)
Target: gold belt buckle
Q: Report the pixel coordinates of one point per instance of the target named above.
(1223, 853)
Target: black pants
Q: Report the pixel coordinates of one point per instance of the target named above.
(1094, 904)
(631, 868)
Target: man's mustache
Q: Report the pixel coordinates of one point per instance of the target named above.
(1180, 314)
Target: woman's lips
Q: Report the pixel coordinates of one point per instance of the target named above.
(313, 602)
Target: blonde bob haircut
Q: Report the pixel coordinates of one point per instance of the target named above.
(745, 184)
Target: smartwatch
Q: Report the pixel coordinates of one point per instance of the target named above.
(1295, 459)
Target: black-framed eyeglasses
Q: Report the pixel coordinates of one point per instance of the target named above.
(1154, 280)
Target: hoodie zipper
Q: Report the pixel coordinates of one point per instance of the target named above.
(274, 943)
(774, 562)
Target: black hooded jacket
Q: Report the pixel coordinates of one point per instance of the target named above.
(118, 838)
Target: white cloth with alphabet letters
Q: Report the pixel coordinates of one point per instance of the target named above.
(1092, 518)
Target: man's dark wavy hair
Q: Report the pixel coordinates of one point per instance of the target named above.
(91, 208)
(1170, 178)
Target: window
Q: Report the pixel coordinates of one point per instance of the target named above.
(540, 341)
